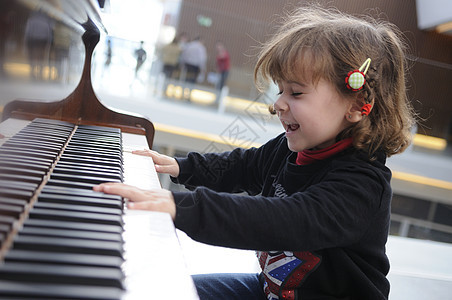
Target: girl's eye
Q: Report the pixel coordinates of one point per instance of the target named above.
(280, 93)
(297, 94)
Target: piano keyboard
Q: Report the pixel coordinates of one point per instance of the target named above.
(61, 240)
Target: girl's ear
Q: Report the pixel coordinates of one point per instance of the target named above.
(354, 113)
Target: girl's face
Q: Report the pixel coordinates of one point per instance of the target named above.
(312, 115)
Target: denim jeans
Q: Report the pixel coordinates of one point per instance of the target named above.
(229, 286)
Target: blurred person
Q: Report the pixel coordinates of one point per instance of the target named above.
(38, 38)
(108, 57)
(316, 206)
(140, 54)
(60, 50)
(223, 64)
(170, 58)
(194, 57)
(108, 54)
(183, 39)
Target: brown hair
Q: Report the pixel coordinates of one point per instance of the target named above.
(325, 43)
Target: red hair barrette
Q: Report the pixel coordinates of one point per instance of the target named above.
(356, 79)
(365, 110)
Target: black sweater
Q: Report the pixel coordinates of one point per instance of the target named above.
(320, 229)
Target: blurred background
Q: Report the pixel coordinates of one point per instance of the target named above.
(136, 68)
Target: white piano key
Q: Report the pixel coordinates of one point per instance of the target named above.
(153, 258)
(152, 250)
(139, 170)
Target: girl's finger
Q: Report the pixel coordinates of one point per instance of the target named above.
(120, 189)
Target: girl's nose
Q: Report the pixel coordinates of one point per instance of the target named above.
(280, 105)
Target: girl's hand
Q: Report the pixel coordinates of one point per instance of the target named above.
(154, 200)
(163, 163)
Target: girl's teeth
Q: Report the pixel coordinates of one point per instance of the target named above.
(292, 127)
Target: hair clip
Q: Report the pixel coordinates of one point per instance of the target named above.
(365, 110)
(356, 79)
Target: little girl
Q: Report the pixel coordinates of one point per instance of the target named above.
(317, 201)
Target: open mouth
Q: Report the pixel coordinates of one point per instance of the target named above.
(290, 126)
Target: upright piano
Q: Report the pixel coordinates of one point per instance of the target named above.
(58, 238)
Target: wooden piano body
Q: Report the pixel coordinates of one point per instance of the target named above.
(82, 105)
(153, 266)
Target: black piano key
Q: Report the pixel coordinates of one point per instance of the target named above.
(78, 192)
(23, 178)
(99, 133)
(81, 172)
(21, 171)
(99, 146)
(78, 226)
(113, 151)
(7, 220)
(38, 291)
(48, 132)
(89, 167)
(11, 210)
(77, 200)
(62, 274)
(4, 228)
(26, 165)
(93, 142)
(114, 162)
(26, 139)
(81, 179)
(96, 138)
(14, 193)
(77, 259)
(12, 201)
(27, 152)
(67, 245)
(32, 145)
(87, 148)
(70, 184)
(45, 124)
(94, 153)
(68, 233)
(78, 208)
(73, 216)
(20, 158)
(80, 133)
(18, 185)
(39, 137)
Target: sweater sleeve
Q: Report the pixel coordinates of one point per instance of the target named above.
(336, 211)
(235, 171)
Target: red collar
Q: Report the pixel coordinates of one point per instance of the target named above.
(307, 157)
